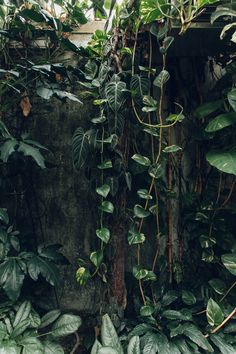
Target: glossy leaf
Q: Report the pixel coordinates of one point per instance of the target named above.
(52, 348)
(146, 310)
(105, 165)
(143, 193)
(172, 148)
(4, 216)
(103, 190)
(207, 108)
(150, 10)
(115, 93)
(22, 313)
(142, 160)
(161, 79)
(49, 318)
(223, 346)
(11, 278)
(215, 316)
(109, 336)
(223, 161)
(65, 325)
(221, 121)
(188, 297)
(80, 147)
(38, 265)
(218, 285)
(134, 346)
(135, 237)
(229, 261)
(156, 171)
(96, 258)
(107, 207)
(103, 234)
(140, 212)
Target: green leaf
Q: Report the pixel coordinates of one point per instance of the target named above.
(80, 147)
(229, 261)
(135, 237)
(96, 258)
(223, 161)
(96, 346)
(139, 87)
(64, 94)
(82, 275)
(107, 207)
(156, 170)
(9, 347)
(4, 216)
(174, 348)
(222, 11)
(232, 98)
(221, 121)
(143, 193)
(7, 148)
(182, 346)
(151, 344)
(151, 10)
(11, 278)
(49, 318)
(105, 165)
(139, 273)
(146, 310)
(172, 148)
(177, 315)
(142, 160)
(3, 331)
(218, 285)
(20, 328)
(140, 212)
(188, 297)
(215, 316)
(22, 313)
(223, 346)
(103, 190)
(33, 152)
(207, 241)
(65, 325)
(115, 93)
(32, 345)
(52, 348)
(193, 333)
(38, 265)
(134, 346)
(161, 79)
(207, 108)
(103, 234)
(107, 350)
(109, 336)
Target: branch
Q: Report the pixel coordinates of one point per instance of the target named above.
(222, 324)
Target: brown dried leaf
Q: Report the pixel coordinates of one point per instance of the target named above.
(25, 104)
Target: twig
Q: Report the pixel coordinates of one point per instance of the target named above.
(76, 344)
(222, 324)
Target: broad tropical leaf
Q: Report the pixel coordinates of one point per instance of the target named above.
(65, 325)
(115, 93)
(221, 121)
(49, 318)
(223, 161)
(140, 87)
(109, 336)
(80, 147)
(134, 346)
(229, 261)
(11, 278)
(52, 348)
(33, 152)
(152, 10)
(223, 346)
(22, 313)
(37, 265)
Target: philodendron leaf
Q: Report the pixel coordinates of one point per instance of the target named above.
(109, 336)
(143, 193)
(142, 160)
(215, 315)
(49, 318)
(229, 261)
(135, 237)
(65, 325)
(103, 234)
(80, 147)
(218, 285)
(52, 348)
(9, 347)
(134, 346)
(139, 273)
(223, 161)
(220, 122)
(96, 258)
(161, 79)
(156, 170)
(103, 190)
(107, 207)
(140, 212)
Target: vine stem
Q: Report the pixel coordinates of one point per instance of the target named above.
(222, 324)
(76, 344)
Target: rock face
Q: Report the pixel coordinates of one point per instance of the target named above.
(65, 202)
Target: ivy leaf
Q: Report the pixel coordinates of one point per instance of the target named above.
(172, 148)
(65, 325)
(135, 237)
(103, 234)
(139, 273)
(229, 261)
(140, 212)
(142, 160)
(103, 190)
(156, 170)
(223, 161)
(143, 193)
(96, 258)
(220, 122)
(107, 207)
(161, 79)
(214, 313)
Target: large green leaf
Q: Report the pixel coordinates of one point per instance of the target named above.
(49, 318)
(115, 93)
(135, 237)
(223, 346)
(3, 331)
(9, 347)
(65, 325)
(188, 297)
(174, 348)
(80, 147)
(20, 328)
(11, 278)
(96, 346)
(223, 161)
(38, 265)
(52, 348)
(32, 345)
(134, 346)
(152, 10)
(7, 148)
(109, 336)
(22, 313)
(193, 333)
(221, 121)
(161, 79)
(182, 346)
(103, 190)
(33, 152)
(207, 108)
(222, 11)
(215, 315)
(229, 261)
(151, 344)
